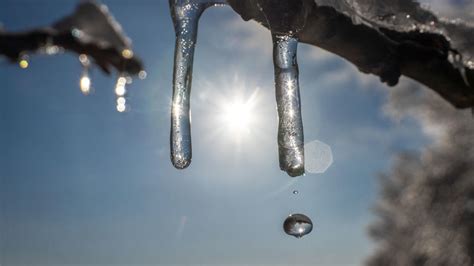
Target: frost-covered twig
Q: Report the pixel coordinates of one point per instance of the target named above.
(90, 30)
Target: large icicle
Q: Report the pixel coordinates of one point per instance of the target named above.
(185, 15)
(290, 128)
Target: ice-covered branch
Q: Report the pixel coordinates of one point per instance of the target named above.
(90, 31)
(384, 38)
(15, 45)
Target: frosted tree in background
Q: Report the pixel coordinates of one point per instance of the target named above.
(426, 209)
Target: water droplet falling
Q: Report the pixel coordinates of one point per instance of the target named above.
(297, 225)
(120, 92)
(120, 89)
(185, 15)
(142, 74)
(290, 128)
(23, 62)
(121, 104)
(84, 60)
(85, 81)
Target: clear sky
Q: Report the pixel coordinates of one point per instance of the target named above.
(83, 184)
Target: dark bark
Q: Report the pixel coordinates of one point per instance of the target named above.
(387, 53)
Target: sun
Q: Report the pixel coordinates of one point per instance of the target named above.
(238, 113)
(238, 116)
(235, 110)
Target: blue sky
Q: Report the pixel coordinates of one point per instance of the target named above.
(84, 184)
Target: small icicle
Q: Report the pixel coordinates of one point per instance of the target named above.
(121, 92)
(290, 128)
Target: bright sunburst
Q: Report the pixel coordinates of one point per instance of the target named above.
(238, 115)
(235, 108)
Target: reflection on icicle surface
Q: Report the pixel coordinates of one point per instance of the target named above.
(290, 128)
(185, 15)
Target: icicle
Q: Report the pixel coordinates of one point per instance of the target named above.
(185, 15)
(290, 128)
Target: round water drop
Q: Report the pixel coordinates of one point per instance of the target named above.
(23, 63)
(142, 74)
(296, 192)
(127, 53)
(298, 225)
(121, 100)
(121, 81)
(85, 84)
(85, 62)
(120, 90)
(121, 108)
